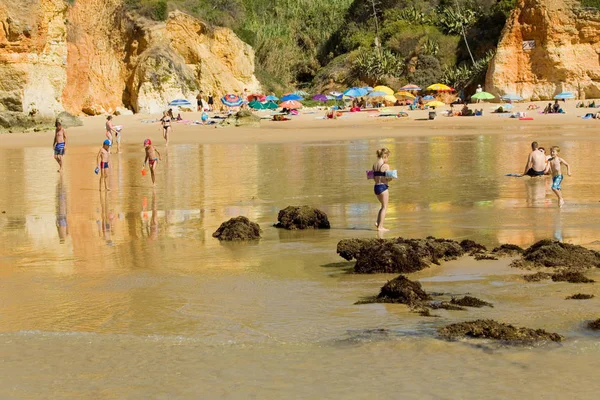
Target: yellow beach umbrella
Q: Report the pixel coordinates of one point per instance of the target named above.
(439, 87)
(435, 103)
(384, 89)
(404, 95)
(390, 98)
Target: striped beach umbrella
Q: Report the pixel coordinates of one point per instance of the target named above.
(290, 104)
(179, 103)
(232, 100)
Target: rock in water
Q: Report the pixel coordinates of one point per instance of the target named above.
(571, 277)
(595, 325)
(551, 253)
(349, 249)
(402, 290)
(241, 118)
(580, 296)
(302, 217)
(509, 250)
(472, 247)
(238, 228)
(490, 329)
(469, 301)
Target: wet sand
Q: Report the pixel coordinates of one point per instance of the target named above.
(127, 295)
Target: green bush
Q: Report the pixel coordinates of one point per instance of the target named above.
(591, 3)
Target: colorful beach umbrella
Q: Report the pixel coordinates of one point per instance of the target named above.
(292, 97)
(367, 88)
(440, 87)
(511, 97)
(404, 95)
(435, 103)
(301, 93)
(390, 98)
(384, 89)
(179, 103)
(256, 105)
(336, 94)
(257, 96)
(377, 94)
(290, 104)
(269, 105)
(356, 92)
(410, 88)
(483, 96)
(232, 100)
(271, 98)
(564, 96)
(320, 97)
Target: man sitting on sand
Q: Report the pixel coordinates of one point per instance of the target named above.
(536, 162)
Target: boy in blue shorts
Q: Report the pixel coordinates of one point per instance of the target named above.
(102, 160)
(554, 166)
(60, 141)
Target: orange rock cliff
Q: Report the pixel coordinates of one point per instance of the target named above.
(93, 57)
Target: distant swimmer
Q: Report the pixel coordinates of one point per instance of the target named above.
(536, 162)
(102, 164)
(151, 157)
(381, 185)
(60, 141)
(554, 166)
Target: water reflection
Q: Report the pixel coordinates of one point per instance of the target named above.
(61, 210)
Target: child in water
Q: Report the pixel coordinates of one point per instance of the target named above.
(151, 153)
(381, 185)
(554, 166)
(102, 160)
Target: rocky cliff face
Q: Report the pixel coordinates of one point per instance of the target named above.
(93, 57)
(566, 56)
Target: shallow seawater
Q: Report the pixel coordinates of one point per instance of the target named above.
(127, 295)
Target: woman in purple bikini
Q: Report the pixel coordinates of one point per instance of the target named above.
(381, 185)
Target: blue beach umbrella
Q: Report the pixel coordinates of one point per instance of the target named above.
(179, 103)
(232, 100)
(377, 94)
(367, 88)
(564, 96)
(429, 97)
(272, 98)
(355, 92)
(292, 97)
(511, 97)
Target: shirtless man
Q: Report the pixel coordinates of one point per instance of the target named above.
(536, 162)
(102, 160)
(60, 141)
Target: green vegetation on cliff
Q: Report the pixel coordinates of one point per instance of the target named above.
(303, 42)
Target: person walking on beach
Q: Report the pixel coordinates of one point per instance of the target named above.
(151, 153)
(166, 125)
(536, 162)
(554, 166)
(111, 130)
(102, 164)
(60, 141)
(381, 185)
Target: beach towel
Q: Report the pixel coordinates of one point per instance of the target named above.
(514, 175)
(526, 119)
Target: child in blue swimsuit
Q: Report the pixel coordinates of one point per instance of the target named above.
(554, 165)
(381, 185)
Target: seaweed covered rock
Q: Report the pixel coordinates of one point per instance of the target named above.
(469, 301)
(402, 290)
(302, 217)
(552, 253)
(444, 305)
(484, 256)
(238, 228)
(580, 296)
(349, 249)
(538, 276)
(571, 277)
(472, 247)
(595, 325)
(241, 118)
(399, 255)
(508, 250)
(490, 329)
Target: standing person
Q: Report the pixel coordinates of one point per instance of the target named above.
(151, 153)
(60, 141)
(554, 166)
(199, 100)
(536, 162)
(112, 130)
(478, 90)
(102, 160)
(211, 101)
(166, 125)
(381, 185)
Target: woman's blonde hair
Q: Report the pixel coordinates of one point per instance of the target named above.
(383, 152)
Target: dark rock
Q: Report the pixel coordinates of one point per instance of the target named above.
(508, 250)
(580, 296)
(402, 290)
(472, 247)
(349, 249)
(437, 305)
(571, 277)
(595, 325)
(490, 329)
(551, 253)
(68, 120)
(483, 256)
(303, 217)
(469, 301)
(538, 276)
(241, 118)
(238, 228)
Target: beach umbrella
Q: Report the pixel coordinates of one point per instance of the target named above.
(435, 103)
(390, 98)
(356, 92)
(410, 88)
(291, 104)
(367, 88)
(336, 94)
(320, 97)
(439, 87)
(404, 95)
(301, 93)
(292, 97)
(511, 97)
(257, 96)
(377, 94)
(269, 105)
(256, 105)
(232, 100)
(179, 103)
(330, 97)
(429, 97)
(483, 96)
(564, 96)
(272, 98)
(384, 89)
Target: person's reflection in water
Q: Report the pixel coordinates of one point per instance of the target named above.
(154, 218)
(106, 219)
(61, 211)
(558, 234)
(536, 191)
